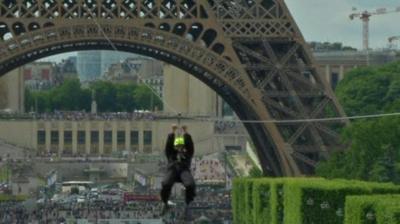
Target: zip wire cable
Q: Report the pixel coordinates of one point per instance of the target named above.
(310, 120)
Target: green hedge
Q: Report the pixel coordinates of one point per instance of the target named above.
(323, 202)
(238, 200)
(242, 200)
(259, 200)
(8, 197)
(248, 200)
(268, 203)
(376, 209)
(297, 200)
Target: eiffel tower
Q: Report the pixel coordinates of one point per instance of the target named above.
(251, 52)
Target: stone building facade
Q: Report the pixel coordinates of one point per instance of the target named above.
(111, 137)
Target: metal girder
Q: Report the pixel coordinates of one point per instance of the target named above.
(251, 52)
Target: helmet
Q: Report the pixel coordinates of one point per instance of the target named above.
(179, 141)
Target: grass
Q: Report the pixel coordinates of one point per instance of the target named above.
(4, 174)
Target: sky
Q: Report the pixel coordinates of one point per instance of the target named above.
(328, 20)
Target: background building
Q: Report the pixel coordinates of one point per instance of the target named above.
(12, 91)
(39, 75)
(93, 64)
(66, 69)
(88, 65)
(112, 138)
(185, 94)
(134, 69)
(334, 64)
(156, 82)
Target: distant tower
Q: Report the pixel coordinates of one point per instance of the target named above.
(92, 64)
(94, 104)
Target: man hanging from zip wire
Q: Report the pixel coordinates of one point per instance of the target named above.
(179, 150)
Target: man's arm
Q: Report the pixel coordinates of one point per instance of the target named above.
(189, 145)
(169, 146)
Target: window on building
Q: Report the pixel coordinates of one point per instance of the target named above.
(134, 138)
(81, 137)
(334, 80)
(147, 137)
(94, 137)
(108, 137)
(27, 74)
(226, 110)
(67, 137)
(46, 74)
(307, 74)
(54, 137)
(120, 137)
(41, 137)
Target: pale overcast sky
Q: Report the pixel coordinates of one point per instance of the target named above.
(328, 20)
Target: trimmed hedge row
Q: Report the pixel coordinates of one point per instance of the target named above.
(8, 197)
(297, 200)
(268, 201)
(324, 201)
(377, 209)
(238, 200)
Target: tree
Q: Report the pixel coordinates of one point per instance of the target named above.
(74, 190)
(70, 96)
(110, 97)
(125, 97)
(106, 95)
(370, 90)
(373, 151)
(146, 98)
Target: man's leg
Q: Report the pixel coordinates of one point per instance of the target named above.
(190, 186)
(167, 184)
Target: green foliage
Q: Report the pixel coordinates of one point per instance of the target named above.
(9, 197)
(238, 200)
(110, 97)
(373, 144)
(5, 173)
(255, 172)
(146, 98)
(379, 209)
(248, 200)
(268, 201)
(262, 202)
(69, 96)
(370, 90)
(105, 95)
(324, 202)
(373, 153)
(298, 200)
(74, 190)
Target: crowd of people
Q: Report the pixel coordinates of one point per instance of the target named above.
(210, 203)
(79, 115)
(224, 126)
(54, 157)
(82, 115)
(208, 171)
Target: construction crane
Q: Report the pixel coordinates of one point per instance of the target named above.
(365, 17)
(392, 40)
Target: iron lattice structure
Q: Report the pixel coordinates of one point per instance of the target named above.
(250, 51)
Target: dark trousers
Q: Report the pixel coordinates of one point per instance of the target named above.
(174, 175)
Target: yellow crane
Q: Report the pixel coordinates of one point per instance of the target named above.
(365, 17)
